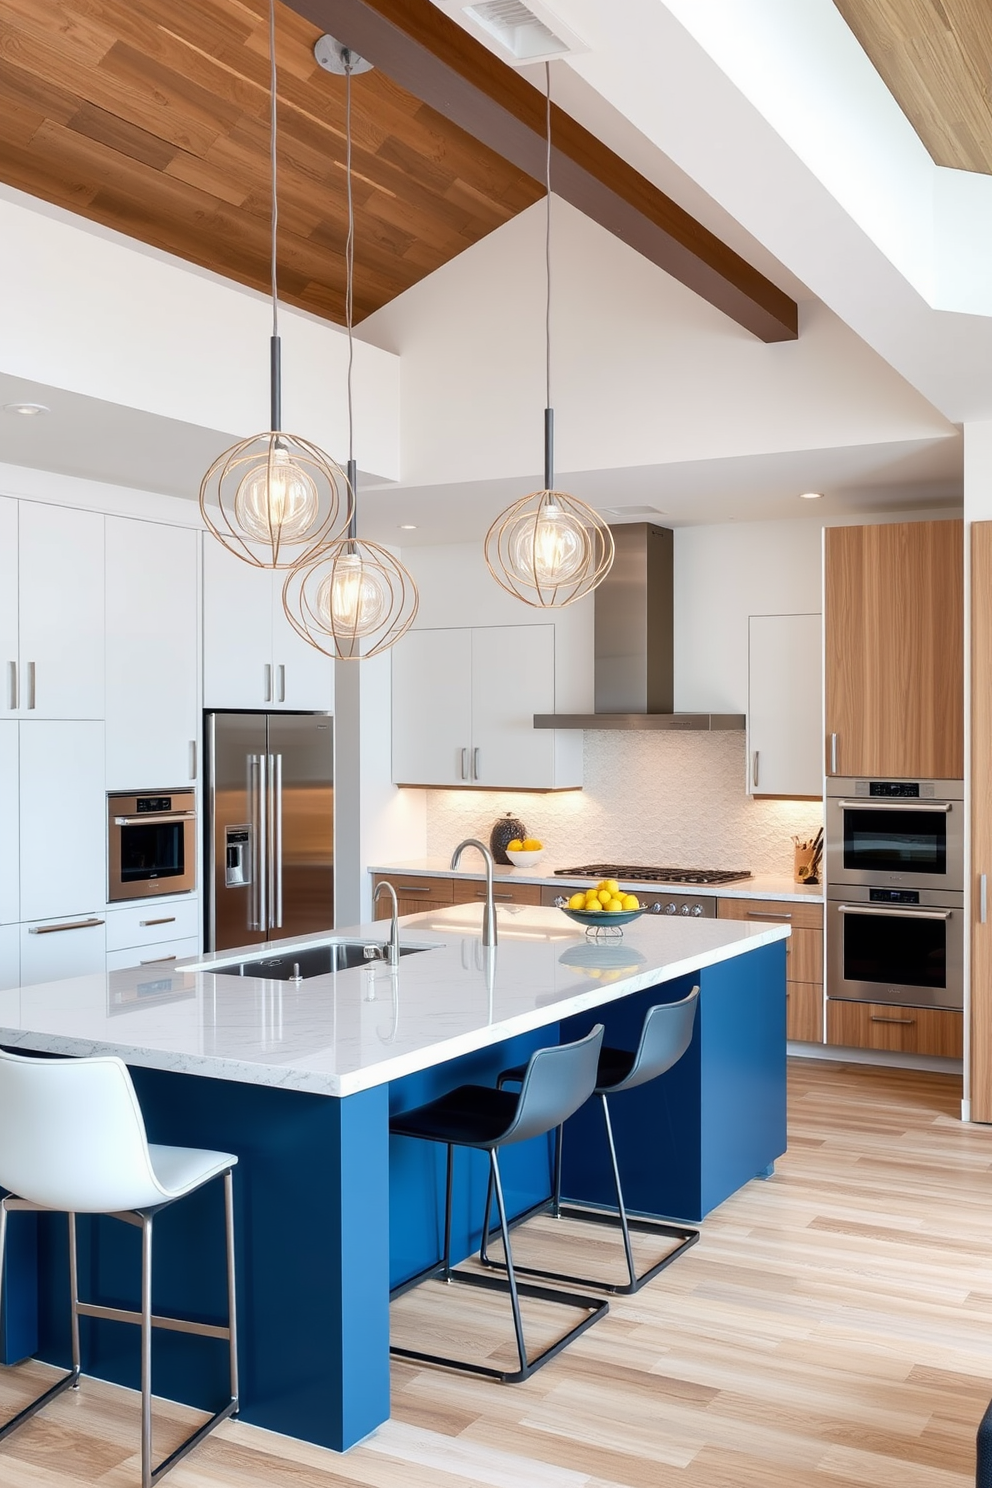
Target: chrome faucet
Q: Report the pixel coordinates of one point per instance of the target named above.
(393, 953)
(489, 913)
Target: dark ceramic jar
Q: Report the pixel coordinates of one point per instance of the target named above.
(505, 829)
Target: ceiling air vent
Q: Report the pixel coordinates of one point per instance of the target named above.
(520, 30)
(633, 513)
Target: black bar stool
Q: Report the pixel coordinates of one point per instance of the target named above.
(554, 1084)
(665, 1036)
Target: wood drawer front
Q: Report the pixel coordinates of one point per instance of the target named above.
(470, 890)
(804, 956)
(904, 1030)
(150, 922)
(799, 916)
(804, 1012)
(414, 886)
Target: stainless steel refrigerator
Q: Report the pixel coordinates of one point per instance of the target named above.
(269, 832)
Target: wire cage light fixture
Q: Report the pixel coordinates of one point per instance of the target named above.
(275, 499)
(353, 599)
(549, 549)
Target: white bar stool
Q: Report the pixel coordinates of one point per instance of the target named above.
(72, 1139)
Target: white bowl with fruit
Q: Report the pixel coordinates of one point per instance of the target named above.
(524, 854)
(606, 904)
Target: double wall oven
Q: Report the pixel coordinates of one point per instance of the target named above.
(895, 891)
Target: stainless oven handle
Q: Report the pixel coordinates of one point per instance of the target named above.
(158, 817)
(895, 909)
(909, 803)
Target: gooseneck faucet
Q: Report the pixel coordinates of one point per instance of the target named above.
(489, 913)
(393, 955)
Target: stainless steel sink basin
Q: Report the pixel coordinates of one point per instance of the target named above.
(314, 961)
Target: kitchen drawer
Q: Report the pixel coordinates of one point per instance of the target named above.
(415, 886)
(903, 1030)
(505, 891)
(70, 947)
(151, 921)
(167, 952)
(804, 1012)
(799, 916)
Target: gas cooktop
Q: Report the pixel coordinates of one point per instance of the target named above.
(655, 875)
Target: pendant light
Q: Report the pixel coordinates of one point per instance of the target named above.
(549, 549)
(275, 499)
(353, 599)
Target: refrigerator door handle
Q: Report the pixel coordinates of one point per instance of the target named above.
(275, 838)
(258, 796)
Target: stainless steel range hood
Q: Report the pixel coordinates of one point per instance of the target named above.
(635, 643)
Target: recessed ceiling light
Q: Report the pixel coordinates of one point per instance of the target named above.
(408, 526)
(27, 409)
(810, 495)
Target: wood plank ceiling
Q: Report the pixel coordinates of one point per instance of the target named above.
(153, 119)
(935, 57)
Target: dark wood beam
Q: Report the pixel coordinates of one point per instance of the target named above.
(430, 56)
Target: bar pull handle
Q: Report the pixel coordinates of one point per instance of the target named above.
(12, 685)
(904, 804)
(754, 771)
(259, 809)
(464, 764)
(32, 687)
(192, 759)
(280, 683)
(760, 914)
(267, 682)
(833, 754)
(476, 763)
(983, 898)
(413, 889)
(72, 925)
(897, 911)
(154, 960)
(165, 920)
(481, 894)
(907, 1022)
(275, 806)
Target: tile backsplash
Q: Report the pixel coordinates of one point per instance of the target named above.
(662, 799)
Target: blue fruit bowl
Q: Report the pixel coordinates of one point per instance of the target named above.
(589, 917)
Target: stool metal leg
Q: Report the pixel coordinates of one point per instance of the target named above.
(232, 1299)
(518, 1324)
(67, 1381)
(74, 1296)
(449, 1175)
(146, 1351)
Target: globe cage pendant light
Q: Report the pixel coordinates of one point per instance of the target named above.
(549, 549)
(275, 499)
(353, 599)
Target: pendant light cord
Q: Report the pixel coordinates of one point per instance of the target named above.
(275, 359)
(549, 417)
(349, 306)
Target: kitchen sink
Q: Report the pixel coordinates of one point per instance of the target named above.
(313, 961)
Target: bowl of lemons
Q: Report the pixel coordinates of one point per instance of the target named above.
(525, 853)
(606, 904)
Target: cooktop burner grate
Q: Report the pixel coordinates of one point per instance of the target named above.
(655, 875)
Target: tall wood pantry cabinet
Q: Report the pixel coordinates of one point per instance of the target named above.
(894, 627)
(981, 820)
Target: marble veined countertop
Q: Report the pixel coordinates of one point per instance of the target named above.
(350, 1030)
(758, 886)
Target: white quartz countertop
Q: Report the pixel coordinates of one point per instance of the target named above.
(351, 1030)
(758, 886)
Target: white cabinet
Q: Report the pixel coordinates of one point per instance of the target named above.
(163, 955)
(63, 820)
(252, 657)
(9, 647)
(9, 824)
(10, 956)
(65, 947)
(152, 716)
(785, 705)
(60, 612)
(464, 704)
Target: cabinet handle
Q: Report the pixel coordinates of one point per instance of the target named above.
(908, 1022)
(464, 764)
(481, 894)
(983, 898)
(754, 771)
(154, 960)
(280, 683)
(12, 680)
(833, 754)
(192, 759)
(166, 920)
(267, 682)
(760, 914)
(476, 762)
(413, 889)
(54, 929)
(32, 691)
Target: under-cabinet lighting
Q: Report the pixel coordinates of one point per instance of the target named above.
(27, 410)
(810, 495)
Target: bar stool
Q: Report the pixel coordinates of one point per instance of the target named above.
(72, 1139)
(665, 1036)
(554, 1084)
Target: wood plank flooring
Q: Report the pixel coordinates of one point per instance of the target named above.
(832, 1329)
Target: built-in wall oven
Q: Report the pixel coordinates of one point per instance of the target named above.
(151, 841)
(895, 892)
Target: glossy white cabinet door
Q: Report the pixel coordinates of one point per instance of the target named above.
(10, 958)
(63, 820)
(513, 677)
(785, 705)
(9, 678)
(237, 631)
(303, 677)
(152, 721)
(61, 608)
(432, 708)
(53, 949)
(9, 824)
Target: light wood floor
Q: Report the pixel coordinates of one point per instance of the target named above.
(832, 1328)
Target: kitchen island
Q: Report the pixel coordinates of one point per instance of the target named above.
(299, 1080)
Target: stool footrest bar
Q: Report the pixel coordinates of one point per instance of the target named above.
(168, 1463)
(67, 1382)
(174, 1324)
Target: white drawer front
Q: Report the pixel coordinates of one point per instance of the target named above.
(53, 949)
(150, 922)
(164, 954)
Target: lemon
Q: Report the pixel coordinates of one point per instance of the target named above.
(577, 901)
(592, 901)
(615, 906)
(604, 896)
(631, 901)
(531, 844)
(515, 846)
(612, 885)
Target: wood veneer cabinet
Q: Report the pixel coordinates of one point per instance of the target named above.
(415, 893)
(803, 958)
(894, 626)
(981, 819)
(902, 1030)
